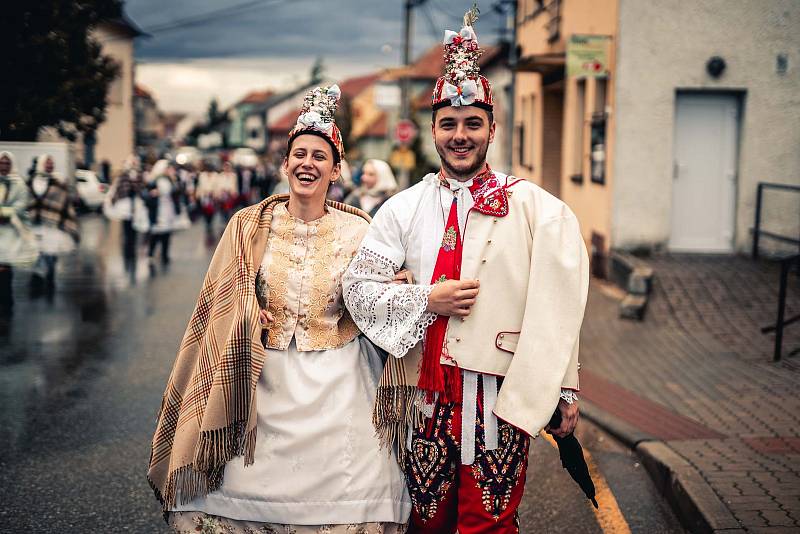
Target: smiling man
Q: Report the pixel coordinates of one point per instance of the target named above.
(485, 343)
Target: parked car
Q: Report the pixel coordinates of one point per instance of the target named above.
(91, 191)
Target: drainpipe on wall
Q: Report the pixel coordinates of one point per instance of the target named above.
(512, 65)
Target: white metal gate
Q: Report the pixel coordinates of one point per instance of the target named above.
(704, 173)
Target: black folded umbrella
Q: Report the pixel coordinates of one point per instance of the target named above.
(571, 453)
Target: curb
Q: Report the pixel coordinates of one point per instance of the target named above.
(691, 498)
(624, 432)
(694, 502)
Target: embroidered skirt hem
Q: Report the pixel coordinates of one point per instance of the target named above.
(193, 522)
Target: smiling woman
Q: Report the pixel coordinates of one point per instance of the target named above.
(291, 384)
(311, 166)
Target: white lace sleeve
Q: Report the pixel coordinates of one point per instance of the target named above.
(393, 316)
(568, 395)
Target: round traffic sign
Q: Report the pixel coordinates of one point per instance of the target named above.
(405, 131)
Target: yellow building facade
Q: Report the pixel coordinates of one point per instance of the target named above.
(563, 132)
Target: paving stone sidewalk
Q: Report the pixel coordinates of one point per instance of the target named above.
(697, 375)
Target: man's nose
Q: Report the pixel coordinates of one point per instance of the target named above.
(460, 133)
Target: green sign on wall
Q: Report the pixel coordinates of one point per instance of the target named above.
(588, 56)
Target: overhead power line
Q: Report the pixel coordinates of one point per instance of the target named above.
(434, 31)
(212, 16)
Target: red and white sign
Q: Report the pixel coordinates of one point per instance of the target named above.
(405, 131)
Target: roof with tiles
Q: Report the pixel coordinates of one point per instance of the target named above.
(256, 97)
(285, 123)
(352, 87)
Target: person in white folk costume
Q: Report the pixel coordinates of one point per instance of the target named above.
(167, 213)
(53, 219)
(484, 346)
(377, 185)
(17, 243)
(266, 421)
(124, 203)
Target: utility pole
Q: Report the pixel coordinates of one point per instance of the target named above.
(512, 65)
(405, 108)
(403, 178)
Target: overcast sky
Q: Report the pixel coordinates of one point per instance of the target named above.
(199, 49)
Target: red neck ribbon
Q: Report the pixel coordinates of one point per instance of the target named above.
(434, 377)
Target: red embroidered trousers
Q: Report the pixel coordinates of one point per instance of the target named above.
(470, 499)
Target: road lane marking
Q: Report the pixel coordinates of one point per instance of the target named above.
(609, 516)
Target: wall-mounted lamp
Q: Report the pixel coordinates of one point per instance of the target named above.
(715, 66)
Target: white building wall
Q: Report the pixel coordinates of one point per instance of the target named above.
(115, 136)
(663, 48)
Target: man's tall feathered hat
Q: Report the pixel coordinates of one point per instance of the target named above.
(316, 117)
(462, 83)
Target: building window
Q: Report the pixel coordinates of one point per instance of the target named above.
(553, 9)
(525, 133)
(598, 132)
(577, 156)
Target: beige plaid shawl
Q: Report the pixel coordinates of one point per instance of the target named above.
(56, 207)
(208, 412)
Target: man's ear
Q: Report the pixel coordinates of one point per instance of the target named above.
(491, 131)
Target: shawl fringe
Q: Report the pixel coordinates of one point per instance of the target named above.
(398, 405)
(397, 408)
(204, 475)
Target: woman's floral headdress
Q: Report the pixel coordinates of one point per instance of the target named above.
(316, 117)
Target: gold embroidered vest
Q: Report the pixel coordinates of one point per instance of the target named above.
(303, 265)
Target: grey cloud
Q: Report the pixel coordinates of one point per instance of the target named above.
(345, 29)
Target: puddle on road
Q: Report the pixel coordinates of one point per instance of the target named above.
(54, 344)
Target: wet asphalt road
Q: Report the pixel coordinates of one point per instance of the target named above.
(81, 377)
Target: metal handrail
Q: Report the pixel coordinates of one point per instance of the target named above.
(782, 322)
(757, 231)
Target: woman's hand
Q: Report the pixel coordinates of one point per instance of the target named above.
(403, 276)
(265, 318)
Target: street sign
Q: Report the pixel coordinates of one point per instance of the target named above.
(387, 96)
(405, 131)
(403, 159)
(588, 56)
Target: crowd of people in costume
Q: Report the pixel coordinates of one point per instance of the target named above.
(39, 223)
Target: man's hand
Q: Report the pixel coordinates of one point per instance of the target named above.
(569, 418)
(453, 297)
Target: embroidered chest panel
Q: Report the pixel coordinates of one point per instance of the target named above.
(304, 264)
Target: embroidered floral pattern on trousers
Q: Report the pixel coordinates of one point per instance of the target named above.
(448, 496)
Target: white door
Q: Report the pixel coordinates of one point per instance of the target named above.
(704, 173)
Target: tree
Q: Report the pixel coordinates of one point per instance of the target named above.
(52, 72)
(214, 116)
(317, 71)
